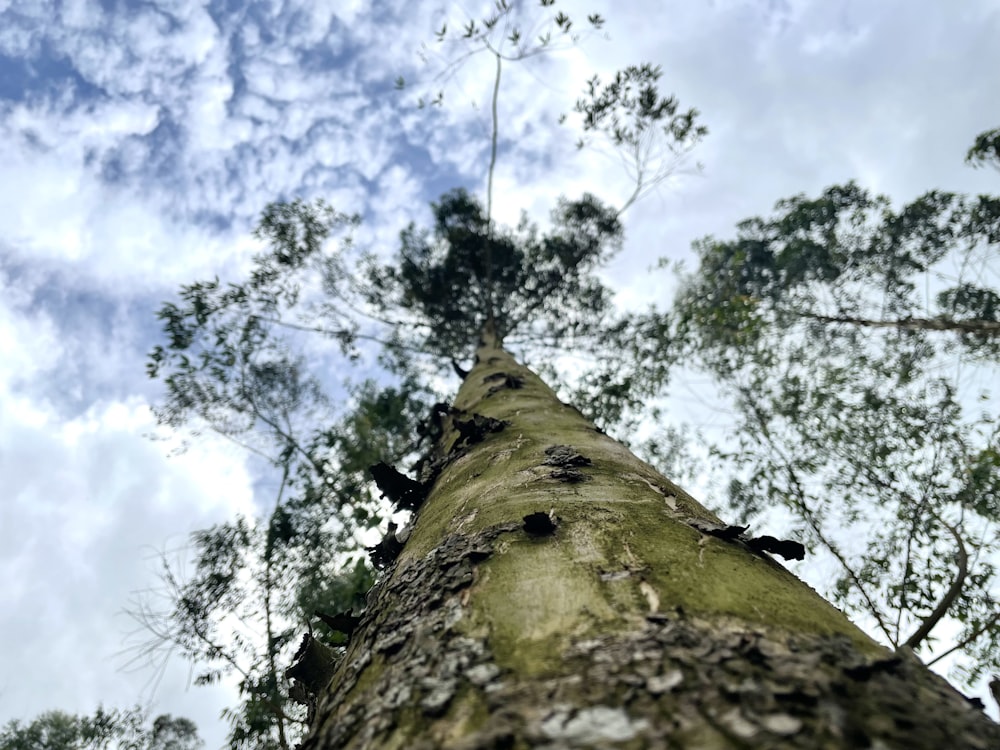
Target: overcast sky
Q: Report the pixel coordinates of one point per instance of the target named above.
(139, 141)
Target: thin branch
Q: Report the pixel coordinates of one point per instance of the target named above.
(157, 623)
(835, 551)
(343, 334)
(989, 327)
(272, 666)
(953, 592)
(493, 141)
(968, 639)
(494, 136)
(287, 437)
(963, 559)
(241, 444)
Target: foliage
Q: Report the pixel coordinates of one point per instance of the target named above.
(847, 262)
(255, 582)
(228, 366)
(648, 128)
(503, 35)
(544, 284)
(225, 362)
(986, 149)
(105, 730)
(843, 331)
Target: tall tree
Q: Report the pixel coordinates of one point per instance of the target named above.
(234, 362)
(552, 589)
(555, 591)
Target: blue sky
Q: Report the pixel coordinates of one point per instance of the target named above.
(139, 141)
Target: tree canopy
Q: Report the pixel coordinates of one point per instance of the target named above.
(858, 345)
(536, 287)
(986, 149)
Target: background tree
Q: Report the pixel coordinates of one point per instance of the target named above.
(255, 581)
(986, 149)
(105, 730)
(858, 346)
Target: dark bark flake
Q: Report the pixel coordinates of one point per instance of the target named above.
(540, 523)
(385, 552)
(406, 493)
(343, 622)
(474, 430)
(564, 456)
(504, 380)
(787, 548)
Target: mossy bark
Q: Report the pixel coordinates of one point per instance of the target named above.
(610, 619)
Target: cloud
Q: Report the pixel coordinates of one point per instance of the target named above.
(86, 502)
(139, 142)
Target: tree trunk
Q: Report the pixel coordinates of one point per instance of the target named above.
(638, 621)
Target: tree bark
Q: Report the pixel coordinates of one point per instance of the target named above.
(555, 591)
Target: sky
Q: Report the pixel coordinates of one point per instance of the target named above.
(139, 141)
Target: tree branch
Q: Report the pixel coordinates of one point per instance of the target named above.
(953, 592)
(810, 518)
(968, 639)
(489, 187)
(272, 666)
(988, 327)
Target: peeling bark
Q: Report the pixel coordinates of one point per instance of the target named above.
(531, 608)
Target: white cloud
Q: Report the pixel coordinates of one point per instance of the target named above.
(210, 114)
(110, 235)
(86, 501)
